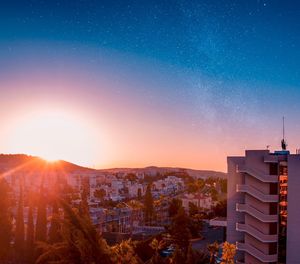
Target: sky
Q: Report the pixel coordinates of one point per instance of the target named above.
(138, 83)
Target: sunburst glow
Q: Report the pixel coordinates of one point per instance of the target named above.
(54, 135)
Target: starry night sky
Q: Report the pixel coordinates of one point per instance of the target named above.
(214, 76)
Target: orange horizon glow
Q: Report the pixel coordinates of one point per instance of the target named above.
(53, 135)
(98, 122)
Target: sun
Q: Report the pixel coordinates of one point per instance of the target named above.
(50, 159)
(55, 135)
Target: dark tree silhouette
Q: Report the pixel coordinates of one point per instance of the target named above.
(29, 245)
(180, 234)
(80, 244)
(174, 207)
(5, 221)
(19, 233)
(149, 209)
(41, 222)
(55, 226)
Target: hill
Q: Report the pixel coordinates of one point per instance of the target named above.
(26, 163)
(153, 171)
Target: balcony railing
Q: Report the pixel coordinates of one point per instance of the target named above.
(257, 174)
(268, 198)
(255, 213)
(256, 253)
(256, 233)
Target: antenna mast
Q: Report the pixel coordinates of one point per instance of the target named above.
(283, 127)
(283, 142)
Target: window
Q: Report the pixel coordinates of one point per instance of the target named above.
(273, 169)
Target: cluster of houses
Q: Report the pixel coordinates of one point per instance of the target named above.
(118, 188)
(203, 201)
(124, 218)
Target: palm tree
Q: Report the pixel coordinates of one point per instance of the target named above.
(124, 253)
(228, 254)
(156, 246)
(80, 244)
(213, 250)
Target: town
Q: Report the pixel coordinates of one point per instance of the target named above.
(138, 205)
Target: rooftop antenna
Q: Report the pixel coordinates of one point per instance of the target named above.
(283, 142)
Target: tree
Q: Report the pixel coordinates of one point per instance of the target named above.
(211, 180)
(19, 233)
(195, 226)
(196, 257)
(214, 194)
(156, 246)
(131, 177)
(84, 206)
(136, 207)
(41, 222)
(5, 221)
(178, 256)
(223, 183)
(149, 208)
(100, 194)
(193, 209)
(68, 193)
(190, 258)
(174, 207)
(220, 209)
(54, 231)
(124, 253)
(139, 193)
(213, 249)
(180, 234)
(144, 250)
(228, 254)
(29, 246)
(80, 244)
(196, 185)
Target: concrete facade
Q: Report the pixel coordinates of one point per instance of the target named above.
(293, 226)
(263, 216)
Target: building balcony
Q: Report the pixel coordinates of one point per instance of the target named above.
(257, 174)
(256, 233)
(268, 198)
(256, 253)
(244, 208)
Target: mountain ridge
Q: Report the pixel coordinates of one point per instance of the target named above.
(24, 162)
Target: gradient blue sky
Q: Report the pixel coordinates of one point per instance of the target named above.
(175, 83)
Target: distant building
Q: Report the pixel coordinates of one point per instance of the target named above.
(134, 189)
(199, 199)
(169, 185)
